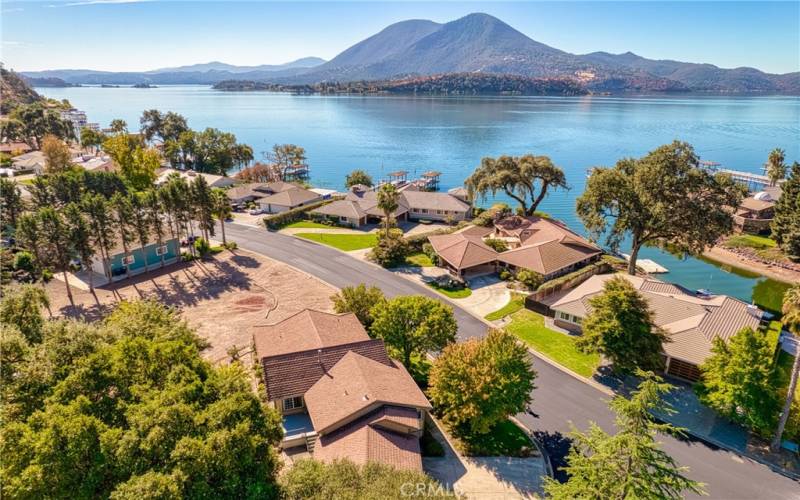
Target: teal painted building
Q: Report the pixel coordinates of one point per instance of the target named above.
(136, 258)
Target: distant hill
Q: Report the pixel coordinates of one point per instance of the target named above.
(46, 82)
(15, 91)
(476, 43)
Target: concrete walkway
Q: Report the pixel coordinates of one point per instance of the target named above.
(489, 293)
(485, 477)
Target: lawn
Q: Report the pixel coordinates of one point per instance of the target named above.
(503, 440)
(307, 224)
(419, 259)
(453, 294)
(782, 374)
(346, 242)
(529, 327)
(750, 241)
(516, 303)
(768, 294)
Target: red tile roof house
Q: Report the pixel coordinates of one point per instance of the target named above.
(691, 322)
(545, 246)
(339, 393)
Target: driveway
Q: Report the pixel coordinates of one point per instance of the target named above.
(489, 293)
(559, 400)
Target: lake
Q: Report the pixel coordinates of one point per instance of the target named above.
(383, 134)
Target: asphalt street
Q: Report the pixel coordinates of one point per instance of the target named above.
(560, 400)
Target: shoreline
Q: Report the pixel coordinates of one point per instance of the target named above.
(723, 256)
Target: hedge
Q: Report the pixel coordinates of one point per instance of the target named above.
(274, 222)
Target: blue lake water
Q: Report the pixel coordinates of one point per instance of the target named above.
(383, 134)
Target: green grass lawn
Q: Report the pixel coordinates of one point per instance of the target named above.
(516, 303)
(306, 224)
(346, 242)
(419, 259)
(453, 294)
(768, 294)
(503, 440)
(750, 241)
(529, 327)
(782, 374)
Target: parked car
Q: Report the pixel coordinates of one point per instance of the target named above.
(257, 211)
(189, 241)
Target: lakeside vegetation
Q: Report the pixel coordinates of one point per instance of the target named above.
(456, 84)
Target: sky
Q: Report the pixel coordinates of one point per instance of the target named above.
(139, 35)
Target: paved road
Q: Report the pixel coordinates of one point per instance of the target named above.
(559, 399)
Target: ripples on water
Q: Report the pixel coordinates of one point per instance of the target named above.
(382, 134)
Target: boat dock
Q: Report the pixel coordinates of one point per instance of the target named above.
(648, 265)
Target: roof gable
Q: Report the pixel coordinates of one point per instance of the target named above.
(307, 330)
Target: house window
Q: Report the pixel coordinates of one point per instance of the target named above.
(563, 315)
(439, 212)
(292, 403)
(128, 260)
(162, 250)
(424, 211)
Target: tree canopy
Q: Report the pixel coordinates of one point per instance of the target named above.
(662, 196)
(128, 407)
(356, 177)
(358, 300)
(478, 384)
(786, 223)
(737, 381)
(620, 327)
(31, 122)
(527, 179)
(776, 168)
(57, 157)
(413, 325)
(137, 164)
(629, 464)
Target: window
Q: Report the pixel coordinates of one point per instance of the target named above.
(292, 403)
(424, 211)
(162, 250)
(439, 212)
(128, 260)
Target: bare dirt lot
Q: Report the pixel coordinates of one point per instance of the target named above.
(222, 297)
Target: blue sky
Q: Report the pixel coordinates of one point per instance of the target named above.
(130, 35)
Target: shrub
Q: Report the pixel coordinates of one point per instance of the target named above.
(449, 282)
(505, 275)
(23, 261)
(391, 249)
(47, 275)
(202, 247)
(274, 222)
(187, 257)
(428, 250)
(531, 279)
(488, 216)
(231, 245)
(497, 245)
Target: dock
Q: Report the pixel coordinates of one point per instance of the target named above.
(648, 265)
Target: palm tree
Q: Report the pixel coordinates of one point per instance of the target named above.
(203, 204)
(101, 223)
(791, 318)
(140, 223)
(118, 126)
(122, 218)
(387, 202)
(55, 237)
(776, 168)
(221, 209)
(81, 237)
(152, 204)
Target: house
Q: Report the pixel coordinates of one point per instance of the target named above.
(134, 261)
(345, 212)
(338, 392)
(95, 163)
(29, 162)
(755, 212)
(14, 148)
(287, 199)
(214, 181)
(538, 244)
(691, 322)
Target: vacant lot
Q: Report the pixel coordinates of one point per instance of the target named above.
(222, 297)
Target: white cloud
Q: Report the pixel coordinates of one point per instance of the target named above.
(101, 2)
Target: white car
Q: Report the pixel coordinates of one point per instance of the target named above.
(257, 211)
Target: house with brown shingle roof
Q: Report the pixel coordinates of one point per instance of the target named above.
(340, 395)
(538, 244)
(691, 322)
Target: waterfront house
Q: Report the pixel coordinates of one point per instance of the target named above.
(344, 212)
(691, 322)
(287, 199)
(338, 392)
(32, 162)
(120, 265)
(755, 212)
(214, 181)
(538, 244)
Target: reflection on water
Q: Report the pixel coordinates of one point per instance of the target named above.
(382, 134)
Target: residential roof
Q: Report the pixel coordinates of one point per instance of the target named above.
(366, 440)
(368, 201)
(28, 160)
(250, 190)
(691, 322)
(307, 330)
(462, 250)
(189, 175)
(278, 186)
(295, 373)
(357, 383)
(10, 147)
(290, 197)
(341, 208)
(751, 203)
(434, 201)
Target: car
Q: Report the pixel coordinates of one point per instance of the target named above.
(188, 241)
(257, 211)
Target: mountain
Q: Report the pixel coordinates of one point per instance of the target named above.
(476, 43)
(202, 74)
(15, 91)
(482, 43)
(305, 62)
